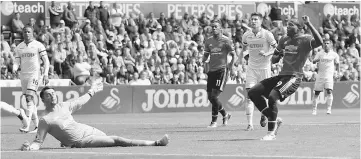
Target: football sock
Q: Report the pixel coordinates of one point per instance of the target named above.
(249, 111)
(315, 101)
(272, 126)
(329, 100)
(30, 111)
(223, 112)
(214, 118)
(35, 118)
(271, 113)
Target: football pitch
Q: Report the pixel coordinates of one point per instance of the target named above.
(302, 135)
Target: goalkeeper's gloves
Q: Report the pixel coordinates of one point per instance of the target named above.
(96, 86)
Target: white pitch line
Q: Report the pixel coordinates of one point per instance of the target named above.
(295, 124)
(156, 154)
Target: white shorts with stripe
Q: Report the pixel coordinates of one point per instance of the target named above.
(254, 76)
(30, 83)
(323, 83)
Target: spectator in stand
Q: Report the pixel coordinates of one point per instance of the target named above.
(123, 76)
(152, 23)
(79, 45)
(103, 15)
(276, 13)
(32, 23)
(194, 28)
(134, 78)
(159, 43)
(132, 29)
(143, 80)
(173, 21)
(162, 21)
(59, 58)
(40, 27)
(116, 15)
(92, 13)
(5, 74)
(17, 25)
(215, 19)
(4, 44)
(266, 22)
(81, 70)
(69, 16)
(278, 31)
(203, 20)
(346, 76)
(158, 32)
(169, 33)
(348, 28)
(141, 23)
(109, 76)
(55, 13)
(186, 22)
(63, 29)
(46, 42)
(68, 65)
(52, 74)
(352, 51)
(328, 25)
(225, 20)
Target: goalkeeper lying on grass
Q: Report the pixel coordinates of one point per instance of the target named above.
(59, 122)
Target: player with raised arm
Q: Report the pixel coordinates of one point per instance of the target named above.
(295, 49)
(260, 44)
(20, 113)
(217, 48)
(29, 55)
(59, 122)
(326, 60)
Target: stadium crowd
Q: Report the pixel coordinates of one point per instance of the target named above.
(142, 50)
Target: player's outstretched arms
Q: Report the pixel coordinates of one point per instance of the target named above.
(96, 86)
(318, 39)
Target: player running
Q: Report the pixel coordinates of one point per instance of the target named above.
(295, 49)
(326, 60)
(29, 55)
(59, 122)
(20, 113)
(217, 48)
(260, 44)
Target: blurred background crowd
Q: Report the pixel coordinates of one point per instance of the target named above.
(144, 50)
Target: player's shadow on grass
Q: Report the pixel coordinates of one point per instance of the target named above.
(213, 140)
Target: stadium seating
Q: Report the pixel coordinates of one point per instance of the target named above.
(17, 38)
(6, 31)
